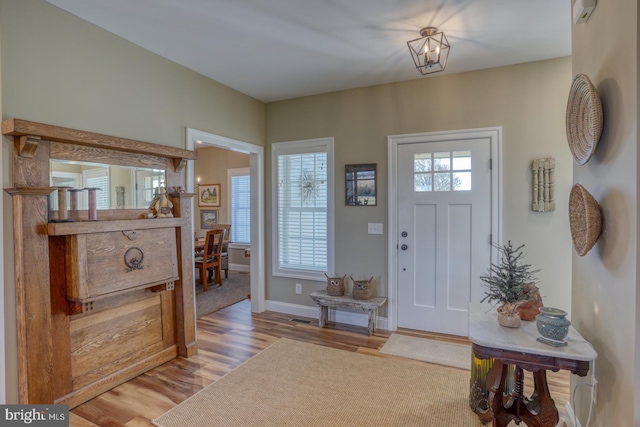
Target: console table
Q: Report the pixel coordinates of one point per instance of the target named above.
(518, 346)
(347, 301)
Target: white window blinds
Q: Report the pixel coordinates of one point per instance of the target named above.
(98, 178)
(304, 212)
(240, 206)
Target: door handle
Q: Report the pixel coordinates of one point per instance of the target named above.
(404, 247)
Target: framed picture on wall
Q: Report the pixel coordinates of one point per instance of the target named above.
(360, 183)
(209, 195)
(208, 217)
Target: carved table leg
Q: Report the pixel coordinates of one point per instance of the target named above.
(541, 412)
(496, 378)
(543, 408)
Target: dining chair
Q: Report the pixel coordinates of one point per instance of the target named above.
(211, 258)
(225, 247)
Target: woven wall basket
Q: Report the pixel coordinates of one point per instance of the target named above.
(584, 119)
(585, 219)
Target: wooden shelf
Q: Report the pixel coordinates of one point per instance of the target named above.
(23, 128)
(86, 227)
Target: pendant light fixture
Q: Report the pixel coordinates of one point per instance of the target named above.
(430, 52)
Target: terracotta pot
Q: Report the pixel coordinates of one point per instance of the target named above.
(529, 309)
(509, 320)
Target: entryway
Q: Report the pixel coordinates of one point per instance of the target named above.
(256, 160)
(444, 215)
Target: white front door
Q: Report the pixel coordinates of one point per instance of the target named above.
(444, 227)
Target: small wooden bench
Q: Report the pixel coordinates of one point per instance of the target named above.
(347, 301)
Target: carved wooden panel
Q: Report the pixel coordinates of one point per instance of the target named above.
(108, 341)
(100, 264)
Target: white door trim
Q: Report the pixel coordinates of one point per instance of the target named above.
(393, 141)
(256, 166)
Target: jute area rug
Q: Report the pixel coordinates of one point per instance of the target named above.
(442, 353)
(299, 384)
(234, 289)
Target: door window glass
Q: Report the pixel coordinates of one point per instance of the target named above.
(442, 171)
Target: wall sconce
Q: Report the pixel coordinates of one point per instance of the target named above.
(430, 52)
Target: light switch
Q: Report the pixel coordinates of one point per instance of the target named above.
(375, 228)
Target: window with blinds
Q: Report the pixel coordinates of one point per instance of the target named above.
(98, 178)
(303, 214)
(240, 205)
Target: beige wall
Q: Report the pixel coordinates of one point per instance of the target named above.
(604, 296)
(527, 100)
(61, 70)
(211, 167)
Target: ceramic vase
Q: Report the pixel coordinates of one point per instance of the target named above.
(552, 323)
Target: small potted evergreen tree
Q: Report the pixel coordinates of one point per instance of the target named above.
(508, 284)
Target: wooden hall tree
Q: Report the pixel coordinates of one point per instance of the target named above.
(90, 315)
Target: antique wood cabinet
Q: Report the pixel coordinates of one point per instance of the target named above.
(98, 302)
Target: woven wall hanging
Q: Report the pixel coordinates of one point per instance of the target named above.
(584, 119)
(585, 219)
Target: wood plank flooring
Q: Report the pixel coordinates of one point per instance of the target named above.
(226, 339)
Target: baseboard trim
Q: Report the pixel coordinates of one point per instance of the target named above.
(338, 316)
(240, 267)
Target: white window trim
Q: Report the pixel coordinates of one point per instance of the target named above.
(294, 147)
(230, 173)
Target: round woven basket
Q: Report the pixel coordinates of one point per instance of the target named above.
(585, 219)
(584, 119)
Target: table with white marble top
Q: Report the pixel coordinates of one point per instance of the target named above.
(519, 347)
(485, 331)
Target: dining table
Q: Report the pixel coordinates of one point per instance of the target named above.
(198, 244)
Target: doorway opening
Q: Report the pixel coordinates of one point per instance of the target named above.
(197, 138)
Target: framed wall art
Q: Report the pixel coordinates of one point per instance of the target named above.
(360, 183)
(209, 195)
(208, 217)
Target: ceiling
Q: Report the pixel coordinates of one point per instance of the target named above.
(280, 49)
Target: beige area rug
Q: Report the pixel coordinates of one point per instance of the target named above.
(234, 289)
(299, 384)
(442, 353)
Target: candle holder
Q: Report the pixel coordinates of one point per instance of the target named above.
(63, 213)
(73, 198)
(93, 207)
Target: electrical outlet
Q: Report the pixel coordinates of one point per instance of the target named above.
(594, 391)
(298, 288)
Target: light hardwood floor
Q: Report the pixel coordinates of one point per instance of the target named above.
(226, 339)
